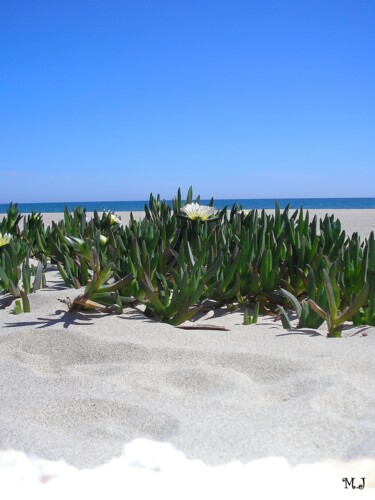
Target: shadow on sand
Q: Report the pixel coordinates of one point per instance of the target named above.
(65, 318)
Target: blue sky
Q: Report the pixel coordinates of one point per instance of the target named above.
(110, 100)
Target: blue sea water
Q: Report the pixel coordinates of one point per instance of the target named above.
(128, 206)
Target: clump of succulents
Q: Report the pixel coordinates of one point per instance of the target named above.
(17, 277)
(99, 294)
(189, 257)
(333, 316)
(10, 223)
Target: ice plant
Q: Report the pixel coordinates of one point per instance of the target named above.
(113, 219)
(178, 261)
(195, 211)
(5, 239)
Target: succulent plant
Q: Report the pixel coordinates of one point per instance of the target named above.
(98, 293)
(10, 223)
(333, 316)
(185, 257)
(251, 320)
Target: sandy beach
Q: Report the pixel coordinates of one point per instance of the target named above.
(79, 386)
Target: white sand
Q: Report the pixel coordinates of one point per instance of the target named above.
(78, 387)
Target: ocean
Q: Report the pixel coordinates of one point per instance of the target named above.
(132, 206)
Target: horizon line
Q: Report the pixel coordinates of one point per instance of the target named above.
(201, 198)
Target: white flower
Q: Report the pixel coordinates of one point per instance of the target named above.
(195, 211)
(5, 239)
(113, 218)
(103, 239)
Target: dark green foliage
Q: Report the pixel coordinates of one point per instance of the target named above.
(10, 223)
(14, 271)
(332, 315)
(176, 267)
(99, 294)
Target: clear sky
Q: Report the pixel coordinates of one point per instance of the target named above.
(113, 99)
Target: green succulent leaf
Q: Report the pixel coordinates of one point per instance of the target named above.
(287, 325)
(330, 294)
(293, 300)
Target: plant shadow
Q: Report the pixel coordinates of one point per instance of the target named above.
(66, 318)
(137, 315)
(302, 331)
(352, 331)
(6, 301)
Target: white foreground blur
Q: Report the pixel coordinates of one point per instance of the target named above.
(152, 470)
